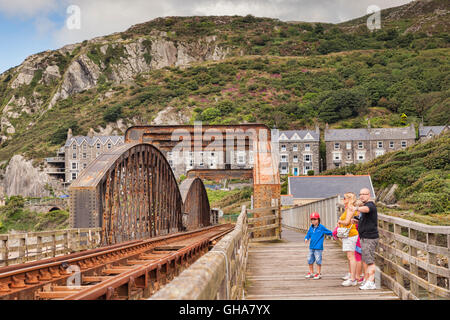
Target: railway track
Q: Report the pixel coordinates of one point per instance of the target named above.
(132, 270)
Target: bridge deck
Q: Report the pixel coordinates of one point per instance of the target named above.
(277, 271)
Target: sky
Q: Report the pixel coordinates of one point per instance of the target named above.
(32, 26)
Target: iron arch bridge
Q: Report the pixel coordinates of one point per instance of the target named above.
(131, 193)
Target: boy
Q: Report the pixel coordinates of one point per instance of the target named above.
(316, 233)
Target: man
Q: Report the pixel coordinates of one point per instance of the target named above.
(368, 233)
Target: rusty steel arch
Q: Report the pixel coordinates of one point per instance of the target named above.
(131, 192)
(196, 209)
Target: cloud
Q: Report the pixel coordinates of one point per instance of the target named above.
(27, 8)
(103, 17)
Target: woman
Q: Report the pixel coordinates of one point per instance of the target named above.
(349, 243)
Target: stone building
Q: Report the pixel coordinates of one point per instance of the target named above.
(78, 152)
(208, 159)
(428, 132)
(298, 151)
(353, 146)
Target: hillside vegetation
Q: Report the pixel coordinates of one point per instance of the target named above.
(421, 171)
(244, 69)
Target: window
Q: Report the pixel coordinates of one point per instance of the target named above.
(201, 159)
(337, 146)
(191, 163)
(391, 144)
(74, 175)
(379, 153)
(284, 170)
(84, 146)
(308, 158)
(284, 158)
(380, 144)
(349, 156)
(74, 146)
(84, 155)
(84, 165)
(74, 166)
(109, 145)
(360, 145)
(307, 147)
(361, 156)
(74, 155)
(348, 145)
(171, 163)
(241, 157)
(98, 145)
(337, 165)
(306, 169)
(251, 159)
(337, 156)
(169, 155)
(283, 147)
(295, 159)
(295, 147)
(403, 144)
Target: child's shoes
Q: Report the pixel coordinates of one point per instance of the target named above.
(317, 276)
(309, 275)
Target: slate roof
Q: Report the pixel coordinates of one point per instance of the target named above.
(423, 131)
(320, 187)
(92, 141)
(370, 134)
(301, 133)
(346, 134)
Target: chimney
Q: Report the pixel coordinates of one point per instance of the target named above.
(91, 133)
(317, 129)
(326, 126)
(69, 133)
(368, 123)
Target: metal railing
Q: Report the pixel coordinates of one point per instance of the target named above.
(219, 274)
(297, 217)
(24, 247)
(55, 159)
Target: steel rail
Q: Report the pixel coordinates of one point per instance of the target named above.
(26, 281)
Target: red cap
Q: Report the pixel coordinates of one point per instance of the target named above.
(314, 215)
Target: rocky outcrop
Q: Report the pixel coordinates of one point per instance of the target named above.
(169, 116)
(21, 178)
(387, 195)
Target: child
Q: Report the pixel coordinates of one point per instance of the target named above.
(316, 233)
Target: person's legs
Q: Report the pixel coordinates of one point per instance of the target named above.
(371, 272)
(352, 262)
(311, 260)
(358, 267)
(318, 257)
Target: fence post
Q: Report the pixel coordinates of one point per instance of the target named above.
(432, 278)
(53, 245)
(413, 267)
(398, 259)
(21, 257)
(38, 247)
(5, 254)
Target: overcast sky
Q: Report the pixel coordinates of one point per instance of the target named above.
(31, 26)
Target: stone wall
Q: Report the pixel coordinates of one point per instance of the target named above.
(219, 274)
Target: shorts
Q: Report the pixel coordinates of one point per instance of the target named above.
(315, 255)
(368, 247)
(349, 243)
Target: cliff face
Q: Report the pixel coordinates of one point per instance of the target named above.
(21, 178)
(45, 78)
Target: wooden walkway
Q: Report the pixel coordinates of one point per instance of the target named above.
(276, 270)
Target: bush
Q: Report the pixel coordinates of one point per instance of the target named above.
(113, 113)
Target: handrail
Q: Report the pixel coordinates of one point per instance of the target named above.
(219, 274)
(412, 257)
(23, 247)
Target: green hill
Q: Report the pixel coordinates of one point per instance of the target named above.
(422, 173)
(230, 69)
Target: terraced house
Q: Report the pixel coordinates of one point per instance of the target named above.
(353, 146)
(299, 151)
(428, 132)
(78, 152)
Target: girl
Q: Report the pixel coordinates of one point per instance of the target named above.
(349, 243)
(316, 233)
